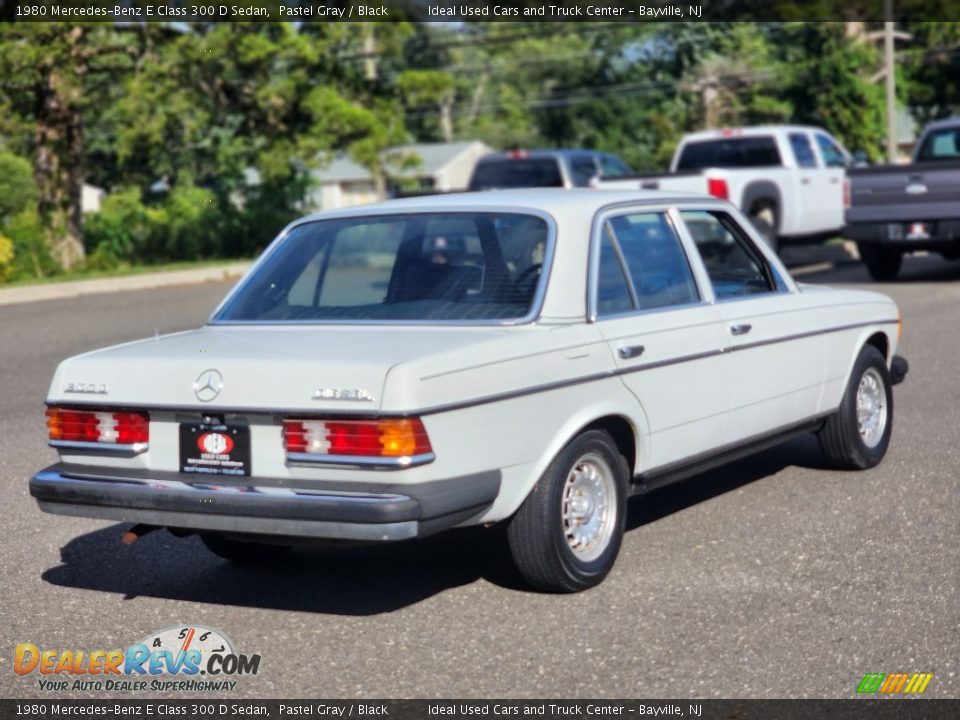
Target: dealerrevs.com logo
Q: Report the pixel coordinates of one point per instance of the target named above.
(180, 658)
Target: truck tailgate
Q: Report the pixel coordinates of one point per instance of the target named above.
(928, 191)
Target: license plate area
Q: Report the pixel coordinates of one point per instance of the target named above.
(215, 448)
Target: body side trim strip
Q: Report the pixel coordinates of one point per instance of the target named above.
(507, 395)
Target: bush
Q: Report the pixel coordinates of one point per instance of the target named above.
(6, 258)
(125, 230)
(31, 253)
(18, 190)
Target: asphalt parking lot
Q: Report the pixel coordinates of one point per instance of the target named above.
(771, 577)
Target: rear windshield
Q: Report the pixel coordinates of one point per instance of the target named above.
(408, 268)
(940, 145)
(758, 151)
(517, 173)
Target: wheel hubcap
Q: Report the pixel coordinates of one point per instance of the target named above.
(871, 408)
(589, 507)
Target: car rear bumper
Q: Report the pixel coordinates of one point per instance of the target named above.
(941, 232)
(344, 511)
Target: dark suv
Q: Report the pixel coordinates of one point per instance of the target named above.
(545, 168)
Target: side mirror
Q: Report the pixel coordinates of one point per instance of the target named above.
(859, 159)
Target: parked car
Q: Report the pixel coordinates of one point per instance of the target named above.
(532, 358)
(545, 168)
(788, 179)
(898, 209)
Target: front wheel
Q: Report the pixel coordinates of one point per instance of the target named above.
(566, 535)
(856, 437)
(883, 262)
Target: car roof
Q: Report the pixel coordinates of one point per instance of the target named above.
(541, 152)
(555, 201)
(751, 131)
(943, 123)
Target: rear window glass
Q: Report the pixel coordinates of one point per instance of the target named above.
(413, 268)
(517, 173)
(730, 153)
(940, 145)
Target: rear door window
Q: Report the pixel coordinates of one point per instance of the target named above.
(656, 263)
(802, 150)
(583, 169)
(732, 152)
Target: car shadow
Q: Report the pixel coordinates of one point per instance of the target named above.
(360, 580)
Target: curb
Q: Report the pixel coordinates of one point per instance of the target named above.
(76, 288)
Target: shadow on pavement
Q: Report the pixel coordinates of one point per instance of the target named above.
(360, 580)
(916, 269)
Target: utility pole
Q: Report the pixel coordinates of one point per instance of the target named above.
(891, 81)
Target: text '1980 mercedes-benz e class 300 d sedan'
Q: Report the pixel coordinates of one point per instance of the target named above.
(526, 357)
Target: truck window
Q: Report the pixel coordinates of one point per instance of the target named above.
(517, 173)
(940, 145)
(734, 152)
(832, 155)
(802, 150)
(583, 169)
(611, 167)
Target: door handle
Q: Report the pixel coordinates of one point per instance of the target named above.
(805, 181)
(834, 181)
(740, 328)
(630, 351)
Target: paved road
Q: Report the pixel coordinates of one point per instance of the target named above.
(771, 577)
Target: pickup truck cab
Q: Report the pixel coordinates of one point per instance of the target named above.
(545, 169)
(898, 209)
(788, 179)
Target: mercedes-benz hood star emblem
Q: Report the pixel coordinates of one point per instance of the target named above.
(208, 385)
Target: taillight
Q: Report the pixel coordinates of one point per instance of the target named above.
(846, 192)
(390, 438)
(717, 187)
(117, 428)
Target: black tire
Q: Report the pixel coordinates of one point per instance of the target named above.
(883, 262)
(241, 552)
(841, 438)
(538, 532)
(764, 219)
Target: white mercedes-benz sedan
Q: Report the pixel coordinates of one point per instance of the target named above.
(532, 358)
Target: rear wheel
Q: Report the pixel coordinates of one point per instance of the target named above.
(566, 535)
(883, 262)
(241, 552)
(764, 219)
(856, 437)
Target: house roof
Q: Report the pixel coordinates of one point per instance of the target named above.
(434, 157)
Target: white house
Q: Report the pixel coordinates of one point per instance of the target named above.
(441, 167)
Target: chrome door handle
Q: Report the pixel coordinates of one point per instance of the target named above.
(741, 328)
(805, 181)
(630, 351)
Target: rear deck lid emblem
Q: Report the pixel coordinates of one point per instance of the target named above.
(208, 385)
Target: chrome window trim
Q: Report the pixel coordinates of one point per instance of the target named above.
(370, 463)
(124, 449)
(532, 315)
(600, 221)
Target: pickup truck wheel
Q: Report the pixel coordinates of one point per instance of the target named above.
(566, 535)
(240, 552)
(856, 437)
(883, 262)
(764, 219)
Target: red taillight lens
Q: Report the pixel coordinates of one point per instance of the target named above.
(717, 187)
(846, 192)
(120, 428)
(393, 438)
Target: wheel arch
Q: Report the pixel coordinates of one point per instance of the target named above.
(760, 194)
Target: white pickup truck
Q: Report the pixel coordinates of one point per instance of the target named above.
(788, 179)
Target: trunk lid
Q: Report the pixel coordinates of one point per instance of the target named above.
(906, 193)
